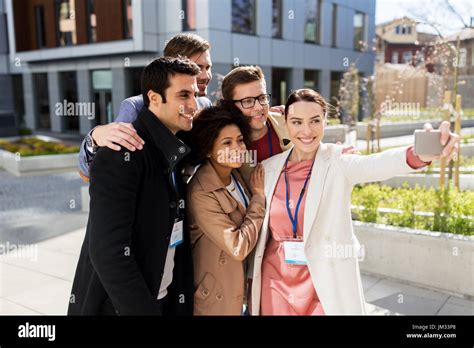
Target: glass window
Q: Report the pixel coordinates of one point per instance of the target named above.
(312, 20)
(280, 87)
(277, 14)
(69, 92)
(243, 16)
(128, 19)
(134, 86)
(462, 57)
(394, 57)
(66, 22)
(91, 21)
(311, 79)
(40, 30)
(359, 30)
(102, 96)
(407, 57)
(19, 99)
(42, 100)
(189, 11)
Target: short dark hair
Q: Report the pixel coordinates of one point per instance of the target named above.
(156, 75)
(186, 44)
(238, 76)
(211, 121)
(305, 94)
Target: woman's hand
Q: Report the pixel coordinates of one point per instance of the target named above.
(278, 109)
(351, 150)
(257, 180)
(451, 140)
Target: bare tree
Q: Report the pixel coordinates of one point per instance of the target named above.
(431, 13)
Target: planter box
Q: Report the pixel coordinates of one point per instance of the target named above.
(466, 181)
(37, 164)
(333, 134)
(396, 129)
(434, 260)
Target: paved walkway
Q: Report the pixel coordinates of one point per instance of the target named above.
(40, 282)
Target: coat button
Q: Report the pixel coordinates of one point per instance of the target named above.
(222, 262)
(182, 149)
(172, 204)
(219, 297)
(205, 292)
(174, 158)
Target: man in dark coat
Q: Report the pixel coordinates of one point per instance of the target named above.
(136, 258)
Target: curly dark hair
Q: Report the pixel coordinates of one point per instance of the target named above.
(211, 121)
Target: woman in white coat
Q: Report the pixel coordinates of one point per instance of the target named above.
(306, 258)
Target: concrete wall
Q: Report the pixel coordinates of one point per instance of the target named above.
(429, 259)
(396, 129)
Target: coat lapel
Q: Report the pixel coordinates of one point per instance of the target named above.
(315, 188)
(278, 123)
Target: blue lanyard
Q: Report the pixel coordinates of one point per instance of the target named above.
(294, 220)
(175, 186)
(241, 191)
(173, 177)
(269, 137)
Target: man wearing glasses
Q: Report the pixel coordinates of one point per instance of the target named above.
(245, 86)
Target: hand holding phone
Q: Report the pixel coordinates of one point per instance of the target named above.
(433, 145)
(428, 142)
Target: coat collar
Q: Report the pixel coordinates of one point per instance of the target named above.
(277, 121)
(210, 181)
(161, 137)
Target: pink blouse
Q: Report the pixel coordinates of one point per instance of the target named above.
(287, 289)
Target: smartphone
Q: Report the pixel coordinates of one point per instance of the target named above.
(428, 142)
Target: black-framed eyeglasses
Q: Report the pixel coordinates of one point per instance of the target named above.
(249, 102)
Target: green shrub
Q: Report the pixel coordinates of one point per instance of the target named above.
(36, 147)
(367, 197)
(24, 131)
(443, 210)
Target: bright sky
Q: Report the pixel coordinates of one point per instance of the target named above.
(433, 10)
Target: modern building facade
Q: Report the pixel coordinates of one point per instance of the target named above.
(86, 56)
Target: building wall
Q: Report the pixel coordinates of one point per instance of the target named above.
(8, 124)
(109, 14)
(155, 22)
(388, 32)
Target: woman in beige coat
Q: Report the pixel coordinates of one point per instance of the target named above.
(224, 216)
